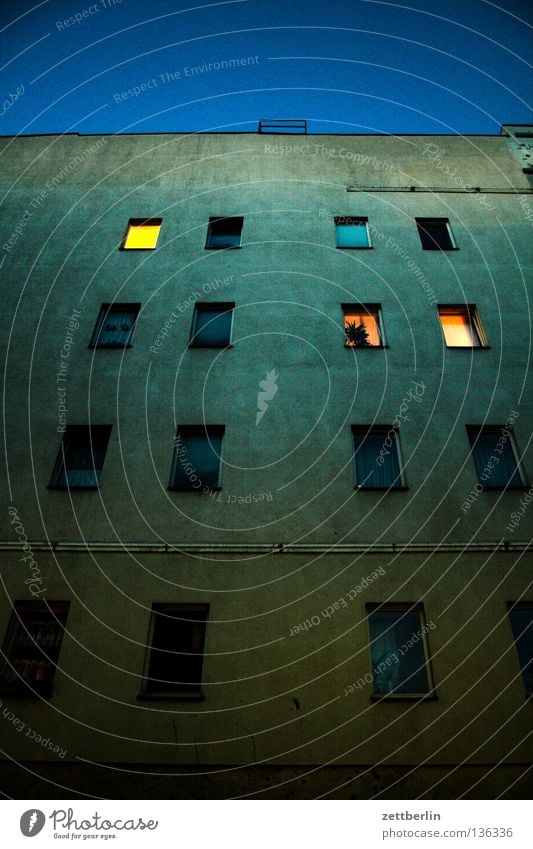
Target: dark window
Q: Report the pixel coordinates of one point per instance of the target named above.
(197, 454)
(176, 647)
(81, 457)
(31, 647)
(377, 464)
(462, 326)
(352, 232)
(224, 232)
(521, 616)
(115, 325)
(435, 234)
(211, 325)
(494, 456)
(362, 325)
(398, 649)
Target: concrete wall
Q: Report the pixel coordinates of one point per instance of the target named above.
(269, 697)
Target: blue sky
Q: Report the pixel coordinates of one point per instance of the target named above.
(360, 66)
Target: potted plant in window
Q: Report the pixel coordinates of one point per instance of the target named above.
(356, 335)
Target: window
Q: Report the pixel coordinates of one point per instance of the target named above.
(224, 232)
(435, 234)
(197, 454)
(31, 647)
(115, 325)
(521, 616)
(81, 457)
(461, 326)
(377, 463)
(211, 325)
(142, 234)
(399, 650)
(352, 232)
(175, 650)
(495, 457)
(362, 325)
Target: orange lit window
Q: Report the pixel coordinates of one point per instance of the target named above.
(142, 234)
(461, 327)
(362, 326)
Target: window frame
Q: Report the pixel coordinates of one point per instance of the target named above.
(220, 307)
(17, 625)
(188, 695)
(511, 607)
(362, 430)
(60, 465)
(375, 310)
(197, 430)
(471, 312)
(140, 222)
(472, 430)
(405, 607)
(351, 220)
(107, 309)
(214, 219)
(436, 220)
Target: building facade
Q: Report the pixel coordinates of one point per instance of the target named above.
(267, 466)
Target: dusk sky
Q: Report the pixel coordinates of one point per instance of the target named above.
(361, 66)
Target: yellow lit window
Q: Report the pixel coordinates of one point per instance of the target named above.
(142, 234)
(361, 325)
(461, 327)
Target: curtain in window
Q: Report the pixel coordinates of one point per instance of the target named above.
(82, 477)
(197, 464)
(458, 332)
(397, 649)
(142, 236)
(522, 625)
(32, 652)
(485, 449)
(212, 327)
(371, 447)
(116, 328)
(352, 235)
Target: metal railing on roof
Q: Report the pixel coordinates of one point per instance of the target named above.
(283, 125)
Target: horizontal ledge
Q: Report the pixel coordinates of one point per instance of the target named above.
(404, 697)
(266, 548)
(443, 190)
(159, 697)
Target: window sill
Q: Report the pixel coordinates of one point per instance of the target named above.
(133, 250)
(365, 347)
(522, 488)
(440, 250)
(467, 347)
(67, 488)
(218, 347)
(26, 691)
(112, 347)
(381, 488)
(222, 247)
(354, 247)
(404, 697)
(157, 697)
(193, 490)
